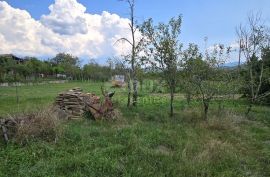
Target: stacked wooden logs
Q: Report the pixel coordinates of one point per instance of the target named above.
(70, 102)
(8, 127)
(74, 102)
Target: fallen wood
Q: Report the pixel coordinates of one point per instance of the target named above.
(4, 130)
(6, 125)
(75, 103)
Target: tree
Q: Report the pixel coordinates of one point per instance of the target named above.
(136, 47)
(69, 63)
(205, 75)
(2, 73)
(7, 66)
(164, 51)
(65, 59)
(34, 66)
(265, 79)
(95, 72)
(122, 68)
(256, 69)
(190, 57)
(141, 77)
(254, 38)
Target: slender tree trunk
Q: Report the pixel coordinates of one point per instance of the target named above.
(141, 85)
(249, 109)
(188, 97)
(129, 93)
(251, 79)
(239, 55)
(135, 92)
(171, 102)
(4, 130)
(133, 57)
(206, 108)
(17, 95)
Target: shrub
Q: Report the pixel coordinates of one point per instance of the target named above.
(229, 120)
(41, 125)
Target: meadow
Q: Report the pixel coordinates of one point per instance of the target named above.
(144, 141)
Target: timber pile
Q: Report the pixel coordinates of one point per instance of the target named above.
(8, 127)
(74, 102)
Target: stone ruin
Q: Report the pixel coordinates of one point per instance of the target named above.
(74, 103)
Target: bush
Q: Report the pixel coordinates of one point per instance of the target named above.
(41, 125)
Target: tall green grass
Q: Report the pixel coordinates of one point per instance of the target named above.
(145, 141)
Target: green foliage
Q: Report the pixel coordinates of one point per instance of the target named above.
(204, 76)
(65, 60)
(95, 72)
(254, 44)
(145, 142)
(255, 66)
(191, 59)
(163, 50)
(33, 69)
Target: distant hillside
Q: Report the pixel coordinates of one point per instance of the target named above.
(231, 64)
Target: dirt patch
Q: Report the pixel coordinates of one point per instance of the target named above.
(162, 149)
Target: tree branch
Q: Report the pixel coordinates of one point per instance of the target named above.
(123, 40)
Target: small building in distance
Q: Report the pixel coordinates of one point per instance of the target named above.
(118, 81)
(11, 57)
(62, 76)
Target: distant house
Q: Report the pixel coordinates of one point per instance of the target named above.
(12, 57)
(41, 75)
(118, 81)
(119, 78)
(63, 76)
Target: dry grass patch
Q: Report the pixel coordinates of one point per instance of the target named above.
(214, 150)
(42, 125)
(162, 149)
(191, 115)
(226, 121)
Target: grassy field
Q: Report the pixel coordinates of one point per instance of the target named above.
(145, 141)
(32, 97)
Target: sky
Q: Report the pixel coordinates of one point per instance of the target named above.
(90, 28)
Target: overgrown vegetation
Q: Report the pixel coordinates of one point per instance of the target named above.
(39, 125)
(63, 66)
(218, 123)
(254, 44)
(145, 141)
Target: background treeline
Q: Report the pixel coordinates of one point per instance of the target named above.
(32, 69)
(197, 74)
(62, 66)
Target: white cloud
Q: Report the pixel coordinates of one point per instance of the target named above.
(233, 55)
(19, 32)
(66, 17)
(67, 28)
(234, 46)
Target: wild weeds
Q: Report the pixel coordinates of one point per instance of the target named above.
(40, 125)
